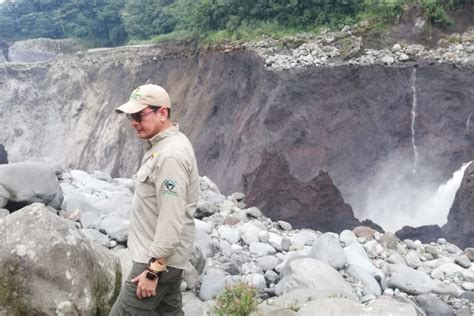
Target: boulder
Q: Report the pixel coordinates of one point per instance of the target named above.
(229, 234)
(254, 212)
(58, 168)
(303, 238)
(125, 259)
(433, 306)
(409, 280)
(425, 234)
(396, 258)
(463, 261)
(389, 241)
(364, 231)
(328, 249)
(297, 298)
(249, 233)
(267, 262)
(386, 306)
(190, 276)
(261, 249)
(29, 182)
(314, 274)
(357, 256)
(469, 252)
(213, 283)
(446, 270)
(460, 226)
(3, 155)
(97, 237)
(271, 276)
(78, 202)
(382, 306)
(116, 227)
(347, 237)
(285, 225)
(192, 305)
(330, 306)
(4, 212)
(255, 280)
(367, 279)
(48, 267)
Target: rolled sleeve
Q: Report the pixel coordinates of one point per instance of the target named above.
(171, 182)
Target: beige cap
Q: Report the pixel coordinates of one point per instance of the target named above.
(144, 96)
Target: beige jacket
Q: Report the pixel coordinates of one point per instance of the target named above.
(166, 196)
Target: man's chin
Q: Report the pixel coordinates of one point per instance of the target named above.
(141, 134)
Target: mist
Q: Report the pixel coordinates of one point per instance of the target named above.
(400, 196)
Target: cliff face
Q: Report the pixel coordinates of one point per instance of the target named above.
(459, 228)
(346, 120)
(316, 204)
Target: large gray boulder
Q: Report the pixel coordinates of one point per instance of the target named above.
(383, 306)
(213, 283)
(313, 274)
(362, 275)
(409, 280)
(48, 267)
(24, 183)
(328, 249)
(434, 306)
(41, 49)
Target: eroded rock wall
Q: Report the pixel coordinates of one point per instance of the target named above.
(346, 120)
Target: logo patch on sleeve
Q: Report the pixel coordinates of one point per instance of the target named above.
(170, 186)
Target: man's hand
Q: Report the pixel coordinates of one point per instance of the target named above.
(145, 287)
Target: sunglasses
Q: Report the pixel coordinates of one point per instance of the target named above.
(139, 116)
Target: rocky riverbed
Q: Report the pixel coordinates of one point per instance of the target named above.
(296, 271)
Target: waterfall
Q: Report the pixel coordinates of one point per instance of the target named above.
(413, 120)
(468, 122)
(436, 209)
(395, 200)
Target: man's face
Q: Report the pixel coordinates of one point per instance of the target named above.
(147, 123)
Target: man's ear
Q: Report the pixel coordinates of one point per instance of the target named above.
(164, 113)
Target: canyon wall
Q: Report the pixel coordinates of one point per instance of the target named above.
(347, 120)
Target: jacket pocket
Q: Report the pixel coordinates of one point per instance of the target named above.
(145, 186)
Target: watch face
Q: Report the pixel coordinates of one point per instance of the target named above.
(150, 276)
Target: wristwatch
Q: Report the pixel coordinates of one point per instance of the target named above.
(150, 275)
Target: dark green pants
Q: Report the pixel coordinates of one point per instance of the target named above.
(168, 300)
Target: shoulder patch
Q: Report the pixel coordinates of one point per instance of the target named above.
(170, 186)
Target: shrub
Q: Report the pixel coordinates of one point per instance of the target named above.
(238, 300)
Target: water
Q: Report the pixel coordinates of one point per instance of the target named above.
(468, 122)
(395, 199)
(413, 121)
(436, 209)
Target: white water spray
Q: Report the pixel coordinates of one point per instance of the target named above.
(394, 200)
(436, 209)
(413, 120)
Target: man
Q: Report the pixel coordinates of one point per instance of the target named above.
(161, 230)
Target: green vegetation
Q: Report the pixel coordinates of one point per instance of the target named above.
(116, 22)
(238, 300)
